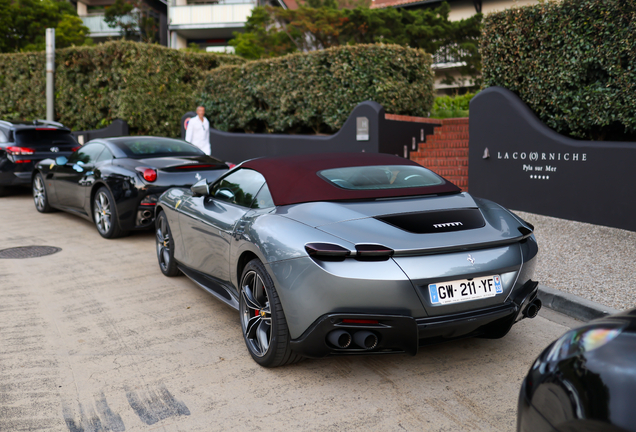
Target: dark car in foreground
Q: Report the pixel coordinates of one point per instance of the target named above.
(585, 381)
(115, 182)
(24, 144)
(337, 254)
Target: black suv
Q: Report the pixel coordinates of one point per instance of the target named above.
(22, 145)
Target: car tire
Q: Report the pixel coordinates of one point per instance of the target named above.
(105, 214)
(3, 191)
(165, 246)
(40, 195)
(262, 318)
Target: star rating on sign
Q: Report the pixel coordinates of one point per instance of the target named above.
(539, 177)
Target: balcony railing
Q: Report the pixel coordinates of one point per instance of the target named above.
(98, 27)
(210, 14)
(449, 55)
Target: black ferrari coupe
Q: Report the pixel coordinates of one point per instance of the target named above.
(115, 182)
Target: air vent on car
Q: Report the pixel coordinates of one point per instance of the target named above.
(436, 221)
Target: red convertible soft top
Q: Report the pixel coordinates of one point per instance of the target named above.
(294, 179)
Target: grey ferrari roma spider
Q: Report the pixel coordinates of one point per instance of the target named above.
(334, 254)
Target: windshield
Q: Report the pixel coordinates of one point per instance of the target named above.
(381, 177)
(142, 147)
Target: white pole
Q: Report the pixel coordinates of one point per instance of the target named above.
(50, 74)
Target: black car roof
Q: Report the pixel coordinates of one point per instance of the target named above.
(35, 124)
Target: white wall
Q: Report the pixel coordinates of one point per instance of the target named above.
(177, 41)
(82, 10)
(465, 8)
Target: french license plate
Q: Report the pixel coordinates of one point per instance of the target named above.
(465, 290)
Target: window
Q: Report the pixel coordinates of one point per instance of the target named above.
(87, 154)
(106, 155)
(45, 138)
(142, 147)
(263, 198)
(381, 177)
(240, 187)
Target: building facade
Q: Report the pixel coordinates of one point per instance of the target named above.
(444, 63)
(207, 23)
(92, 14)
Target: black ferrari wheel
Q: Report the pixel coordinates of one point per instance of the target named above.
(262, 319)
(105, 215)
(165, 247)
(40, 197)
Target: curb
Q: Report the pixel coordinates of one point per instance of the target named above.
(572, 305)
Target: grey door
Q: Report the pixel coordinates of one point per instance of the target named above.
(208, 223)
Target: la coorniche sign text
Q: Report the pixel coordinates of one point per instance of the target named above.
(517, 161)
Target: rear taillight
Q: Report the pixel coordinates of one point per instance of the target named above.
(149, 174)
(76, 148)
(23, 161)
(359, 321)
(231, 165)
(327, 251)
(150, 200)
(371, 252)
(16, 151)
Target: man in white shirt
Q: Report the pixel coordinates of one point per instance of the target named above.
(198, 131)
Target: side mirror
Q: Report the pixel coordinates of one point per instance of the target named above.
(200, 188)
(61, 160)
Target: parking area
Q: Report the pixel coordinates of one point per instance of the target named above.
(95, 338)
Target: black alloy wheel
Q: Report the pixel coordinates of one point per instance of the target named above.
(105, 214)
(262, 319)
(165, 247)
(40, 197)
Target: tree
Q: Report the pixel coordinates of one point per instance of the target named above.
(135, 19)
(23, 24)
(320, 24)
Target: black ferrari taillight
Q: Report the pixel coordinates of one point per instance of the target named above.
(149, 174)
(371, 252)
(327, 251)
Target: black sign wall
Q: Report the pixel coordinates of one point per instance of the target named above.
(366, 130)
(517, 161)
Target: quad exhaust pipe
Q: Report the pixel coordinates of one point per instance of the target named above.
(363, 339)
(144, 217)
(532, 310)
(340, 338)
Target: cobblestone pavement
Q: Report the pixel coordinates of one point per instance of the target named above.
(591, 261)
(95, 338)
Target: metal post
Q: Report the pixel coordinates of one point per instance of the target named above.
(50, 74)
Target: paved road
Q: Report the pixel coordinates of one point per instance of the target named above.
(94, 338)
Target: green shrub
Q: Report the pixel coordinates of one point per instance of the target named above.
(316, 91)
(451, 106)
(149, 86)
(573, 62)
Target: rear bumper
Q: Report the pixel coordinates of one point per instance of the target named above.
(404, 334)
(15, 178)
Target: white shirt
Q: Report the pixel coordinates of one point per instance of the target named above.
(198, 133)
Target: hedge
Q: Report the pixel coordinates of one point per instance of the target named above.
(315, 92)
(573, 62)
(147, 85)
(451, 106)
